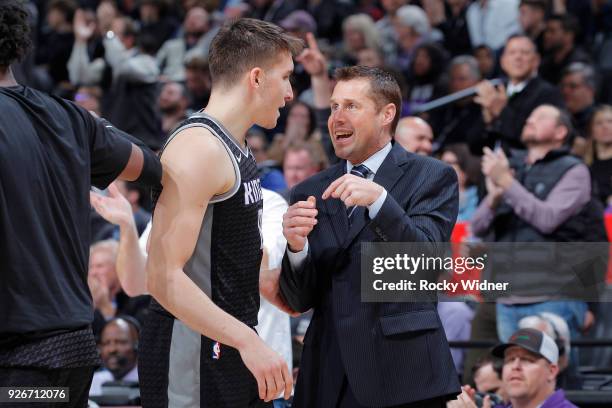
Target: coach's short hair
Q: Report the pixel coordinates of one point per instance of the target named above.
(246, 43)
(384, 88)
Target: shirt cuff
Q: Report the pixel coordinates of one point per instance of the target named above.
(375, 207)
(297, 259)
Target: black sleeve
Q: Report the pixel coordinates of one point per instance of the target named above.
(110, 150)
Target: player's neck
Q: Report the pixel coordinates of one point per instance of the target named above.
(234, 116)
(7, 78)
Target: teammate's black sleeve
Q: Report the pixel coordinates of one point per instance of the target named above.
(110, 150)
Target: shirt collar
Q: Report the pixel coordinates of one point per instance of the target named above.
(516, 88)
(374, 161)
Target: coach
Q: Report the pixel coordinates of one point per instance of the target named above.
(367, 354)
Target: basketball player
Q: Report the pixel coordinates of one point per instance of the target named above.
(199, 347)
(51, 152)
(273, 325)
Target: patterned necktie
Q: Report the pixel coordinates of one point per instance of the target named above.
(362, 171)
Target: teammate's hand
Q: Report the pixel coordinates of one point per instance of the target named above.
(269, 369)
(114, 208)
(298, 221)
(353, 190)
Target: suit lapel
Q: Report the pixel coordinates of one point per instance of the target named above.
(387, 176)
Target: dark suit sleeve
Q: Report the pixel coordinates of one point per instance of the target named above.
(432, 213)
(298, 287)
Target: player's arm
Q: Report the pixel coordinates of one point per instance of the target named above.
(189, 162)
(116, 154)
(130, 265)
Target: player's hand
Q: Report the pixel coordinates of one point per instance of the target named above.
(353, 190)
(298, 221)
(312, 59)
(114, 208)
(269, 369)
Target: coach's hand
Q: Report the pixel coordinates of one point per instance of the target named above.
(298, 221)
(269, 369)
(354, 190)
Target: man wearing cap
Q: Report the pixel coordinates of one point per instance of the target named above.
(530, 371)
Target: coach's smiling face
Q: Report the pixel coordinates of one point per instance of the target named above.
(357, 126)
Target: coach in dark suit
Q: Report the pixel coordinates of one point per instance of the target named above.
(367, 354)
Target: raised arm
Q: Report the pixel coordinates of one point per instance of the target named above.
(116, 209)
(193, 155)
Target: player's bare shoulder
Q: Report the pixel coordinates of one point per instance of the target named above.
(196, 153)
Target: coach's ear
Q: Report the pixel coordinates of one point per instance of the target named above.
(256, 77)
(388, 113)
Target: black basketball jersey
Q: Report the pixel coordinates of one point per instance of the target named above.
(226, 260)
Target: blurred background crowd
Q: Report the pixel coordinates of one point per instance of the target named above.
(142, 64)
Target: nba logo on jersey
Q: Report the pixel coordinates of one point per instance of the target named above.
(216, 350)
